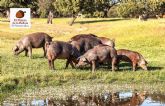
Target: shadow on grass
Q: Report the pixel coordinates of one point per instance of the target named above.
(103, 20)
(38, 57)
(122, 67)
(86, 68)
(127, 66)
(151, 68)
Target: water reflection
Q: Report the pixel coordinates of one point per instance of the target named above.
(92, 99)
(155, 99)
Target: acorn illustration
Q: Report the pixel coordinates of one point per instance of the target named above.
(20, 14)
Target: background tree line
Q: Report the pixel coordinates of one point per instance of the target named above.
(89, 8)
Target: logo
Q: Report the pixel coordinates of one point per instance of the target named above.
(20, 14)
(20, 18)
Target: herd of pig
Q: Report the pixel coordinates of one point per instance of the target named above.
(79, 51)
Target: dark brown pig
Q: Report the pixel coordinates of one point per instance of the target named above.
(61, 50)
(79, 36)
(104, 40)
(133, 57)
(84, 42)
(99, 54)
(34, 40)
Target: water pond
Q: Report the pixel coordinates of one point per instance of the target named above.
(127, 98)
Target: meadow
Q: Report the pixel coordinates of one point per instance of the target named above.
(20, 72)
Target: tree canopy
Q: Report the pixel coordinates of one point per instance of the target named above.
(90, 8)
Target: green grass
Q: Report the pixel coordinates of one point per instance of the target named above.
(20, 72)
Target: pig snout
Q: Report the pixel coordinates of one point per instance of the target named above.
(81, 64)
(15, 49)
(144, 66)
(15, 53)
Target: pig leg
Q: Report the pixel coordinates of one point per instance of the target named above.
(97, 65)
(134, 66)
(52, 62)
(69, 62)
(26, 52)
(114, 61)
(50, 65)
(30, 52)
(44, 51)
(108, 63)
(93, 66)
(117, 64)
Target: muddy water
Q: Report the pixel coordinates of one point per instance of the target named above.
(91, 99)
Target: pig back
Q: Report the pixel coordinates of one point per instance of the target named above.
(105, 52)
(127, 55)
(38, 40)
(61, 49)
(83, 44)
(80, 36)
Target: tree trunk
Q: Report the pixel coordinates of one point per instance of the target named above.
(105, 14)
(73, 20)
(8, 15)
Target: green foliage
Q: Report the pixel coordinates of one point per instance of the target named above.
(67, 7)
(44, 7)
(90, 8)
(94, 8)
(113, 12)
(98, 14)
(133, 8)
(18, 3)
(123, 9)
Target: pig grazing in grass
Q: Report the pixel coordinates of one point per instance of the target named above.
(34, 40)
(134, 58)
(99, 54)
(61, 50)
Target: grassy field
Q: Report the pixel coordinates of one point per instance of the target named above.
(20, 72)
